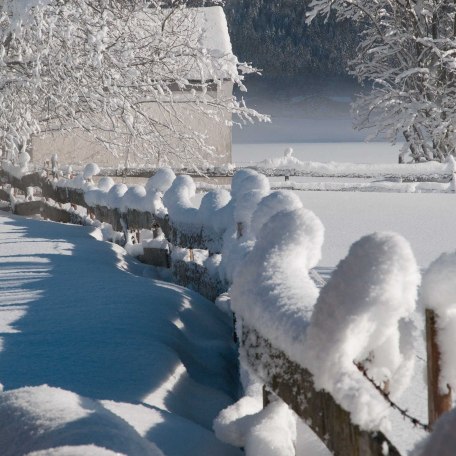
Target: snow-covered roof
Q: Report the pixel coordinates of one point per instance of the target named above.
(215, 39)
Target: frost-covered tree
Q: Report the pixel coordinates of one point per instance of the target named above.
(116, 70)
(408, 54)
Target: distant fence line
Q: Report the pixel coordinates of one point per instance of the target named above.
(358, 172)
(291, 382)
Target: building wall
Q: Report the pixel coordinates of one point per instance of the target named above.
(78, 148)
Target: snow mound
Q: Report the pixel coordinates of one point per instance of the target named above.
(361, 316)
(90, 170)
(161, 181)
(272, 291)
(114, 197)
(272, 204)
(442, 441)
(232, 424)
(262, 432)
(246, 180)
(274, 433)
(438, 292)
(134, 198)
(105, 184)
(52, 421)
(212, 211)
(178, 201)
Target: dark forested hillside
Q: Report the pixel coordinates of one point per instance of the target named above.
(273, 34)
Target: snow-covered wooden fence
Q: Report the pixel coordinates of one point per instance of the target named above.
(283, 338)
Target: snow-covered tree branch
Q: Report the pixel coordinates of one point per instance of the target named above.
(408, 54)
(117, 70)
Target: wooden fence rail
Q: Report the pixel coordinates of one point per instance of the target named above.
(294, 385)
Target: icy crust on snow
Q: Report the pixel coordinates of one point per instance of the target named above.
(438, 292)
(361, 316)
(272, 290)
(49, 421)
(358, 169)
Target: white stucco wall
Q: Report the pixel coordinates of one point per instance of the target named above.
(78, 148)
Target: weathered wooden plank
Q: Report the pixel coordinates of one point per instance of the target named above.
(28, 180)
(138, 220)
(156, 257)
(294, 385)
(27, 208)
(438, 402)
(108, 215)
(4, 195)
(195, 276)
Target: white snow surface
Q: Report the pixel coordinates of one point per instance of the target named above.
(358, 319)
(90, 170)
(372, 169)
(161, 181)
(438, 292)
(45, 418)
(178, 201)
(348, 216)
(442, 440)
(272, 291)
(131, 362)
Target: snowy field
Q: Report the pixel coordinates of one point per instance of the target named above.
(313, 118)
(133, 364)
(427, 221)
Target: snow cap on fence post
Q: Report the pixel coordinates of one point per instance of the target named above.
(247, 190)
(216, 215)
(113, 199)
(90, 170)
(177, 200)
(272, 204)
(438, 298)
(161, 181)
(361, 316)
(272, 291)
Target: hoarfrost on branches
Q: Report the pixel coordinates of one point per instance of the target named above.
(408, 54)
(116, 71)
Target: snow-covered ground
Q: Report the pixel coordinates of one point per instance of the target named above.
(313, 118)
(133, 364)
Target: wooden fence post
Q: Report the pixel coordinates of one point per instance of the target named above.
(240, 230)
(438, 402)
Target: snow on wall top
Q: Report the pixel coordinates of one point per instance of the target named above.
(216, 40)
(215, 37)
